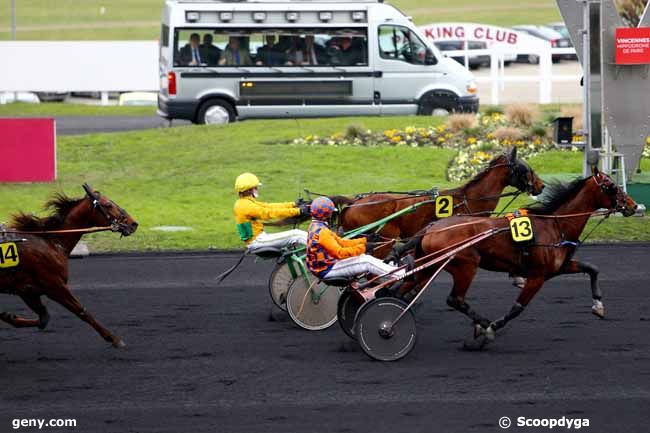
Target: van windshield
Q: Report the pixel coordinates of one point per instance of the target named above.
(248, 47)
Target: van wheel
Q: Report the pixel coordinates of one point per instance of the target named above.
(216, 112)
(438, 103)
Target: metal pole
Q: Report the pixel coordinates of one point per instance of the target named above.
(586, 87)
(13, 20)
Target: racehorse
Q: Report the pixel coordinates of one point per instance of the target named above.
(557, 223)
(39, 249)
(480, 195)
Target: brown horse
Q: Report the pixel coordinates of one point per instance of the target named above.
(557, 223)
(480, 195)
(41, 250)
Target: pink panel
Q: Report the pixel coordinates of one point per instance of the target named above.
(27, 150)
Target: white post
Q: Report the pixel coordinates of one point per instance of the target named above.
(104, 98)
(545, 73)
(494, 77)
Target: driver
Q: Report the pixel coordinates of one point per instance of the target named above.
(250, 215)
(329, 256)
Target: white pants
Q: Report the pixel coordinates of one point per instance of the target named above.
(278, 240)
(348, 268)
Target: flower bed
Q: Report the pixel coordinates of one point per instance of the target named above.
(476, 138)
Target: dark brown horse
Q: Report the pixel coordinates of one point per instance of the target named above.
(41, 250)
(480, 194)
(557, 223)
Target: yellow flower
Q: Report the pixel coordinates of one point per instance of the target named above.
(309, 137)
(489, 136)
(409, 129)
(507, 142)
(441, 128)
(441, 140)
(448, 135)
(471, 140)
(395, 139)
(647, 140)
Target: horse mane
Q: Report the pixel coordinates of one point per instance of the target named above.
(556, 193)
(481, 174)
(60, 205)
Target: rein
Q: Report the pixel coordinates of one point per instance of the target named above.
(52, 232)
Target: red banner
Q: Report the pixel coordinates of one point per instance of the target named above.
(27, 150)
(633, 46)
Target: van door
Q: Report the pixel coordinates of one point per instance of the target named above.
(404, 75)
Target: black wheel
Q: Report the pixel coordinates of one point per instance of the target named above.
(346, 311)
(216, 112)
(438, 103)
(533, 59)
(379, 337)
(279, 283)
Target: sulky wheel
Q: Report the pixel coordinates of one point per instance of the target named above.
(378, 336)
(312, 309)
(279, 283)
(346, 312)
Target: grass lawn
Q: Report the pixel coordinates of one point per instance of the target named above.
(184, 176)
(58, 109)
(139, 19)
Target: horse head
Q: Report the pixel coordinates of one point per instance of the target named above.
(521, 175)
(611, 196)
(109, 212)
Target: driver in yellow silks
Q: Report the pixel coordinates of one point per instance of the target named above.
(250, 215)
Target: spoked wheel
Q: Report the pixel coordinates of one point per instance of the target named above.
(279, 283)
(346, 312)
(379, 337)
(312, 308)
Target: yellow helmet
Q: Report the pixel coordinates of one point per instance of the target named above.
(246, 181)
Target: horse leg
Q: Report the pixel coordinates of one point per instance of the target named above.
(527, 294)
(463, 277)
(33, 302)
(576, 267)
(69, 301)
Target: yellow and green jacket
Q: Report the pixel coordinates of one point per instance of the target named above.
(250, 214)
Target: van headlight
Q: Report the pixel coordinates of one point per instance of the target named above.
(471, 87)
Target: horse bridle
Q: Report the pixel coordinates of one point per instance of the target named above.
(519, 177)
(612, 190)
(117, 224)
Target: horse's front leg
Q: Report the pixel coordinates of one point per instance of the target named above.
(576, 267)
(533, 284)
(65, 297)
(33, 302)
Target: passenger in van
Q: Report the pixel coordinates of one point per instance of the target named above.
(269, 54)
(191, 53)
(305, 52)
(345, 53)
(211, 52)
(314, 54)
(235, 54)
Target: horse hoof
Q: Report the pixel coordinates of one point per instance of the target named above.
(599, 312)
(598, 309)
(119, 344)
(476, 344)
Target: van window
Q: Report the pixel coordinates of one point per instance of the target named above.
(270, 48)
(400, 43)
(164, 35)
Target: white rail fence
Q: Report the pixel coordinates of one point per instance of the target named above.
(498, 79)
(103, 66)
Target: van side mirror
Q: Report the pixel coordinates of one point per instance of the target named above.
(429, 58)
